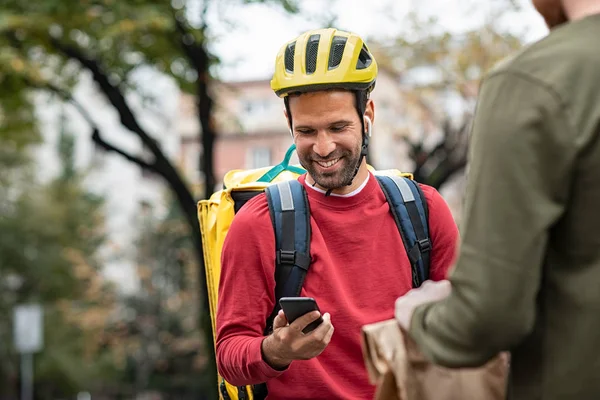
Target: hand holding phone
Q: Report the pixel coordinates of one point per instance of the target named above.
(299, 333)
(295, 307)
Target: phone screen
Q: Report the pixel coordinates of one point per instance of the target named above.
(295, 307)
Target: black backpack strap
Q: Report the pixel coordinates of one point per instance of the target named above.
(290, 215)
(409, 208)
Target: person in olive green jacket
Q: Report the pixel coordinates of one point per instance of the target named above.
(527, 278)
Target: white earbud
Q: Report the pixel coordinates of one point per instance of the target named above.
(369, 125)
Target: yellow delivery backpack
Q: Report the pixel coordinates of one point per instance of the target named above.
(285, 195)
(215, 216)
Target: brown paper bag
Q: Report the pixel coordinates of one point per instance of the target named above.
(401, 372)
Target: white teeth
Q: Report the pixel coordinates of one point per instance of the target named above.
(328, 163)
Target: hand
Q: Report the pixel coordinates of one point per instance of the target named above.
(428, 292)
(287, 342)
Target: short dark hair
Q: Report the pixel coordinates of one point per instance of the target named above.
(360, 102)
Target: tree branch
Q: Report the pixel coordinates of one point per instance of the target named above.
(203, 15)
(188, 44)
(109, 147)
(162, 166)
(446, 172)
(112, 92)
(199, 58)
(105, 84)
(96, 137)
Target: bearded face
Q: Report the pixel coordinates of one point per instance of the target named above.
(552, 11)
(328, 136)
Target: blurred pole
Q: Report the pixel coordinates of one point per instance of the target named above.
(26, 376)
(29, 339)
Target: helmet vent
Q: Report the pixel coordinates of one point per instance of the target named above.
(364, 58)
(312, 49)
(338, 44)
(289, 57)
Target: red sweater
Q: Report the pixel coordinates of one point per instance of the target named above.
(359, 269)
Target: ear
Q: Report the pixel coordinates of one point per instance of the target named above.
(368, 126)
(369, 116)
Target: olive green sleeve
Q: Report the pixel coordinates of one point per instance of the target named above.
(521, 153)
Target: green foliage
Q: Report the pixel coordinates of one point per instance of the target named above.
(64, 369)
(48, 45)
(41, 226)
(454, 65)
(162, 326)
(457, 59)
(122, 35)
(17, 121)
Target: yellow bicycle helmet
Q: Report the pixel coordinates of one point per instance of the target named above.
(324, 59)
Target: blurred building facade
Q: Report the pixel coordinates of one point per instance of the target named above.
(253, 131)
(127, 188)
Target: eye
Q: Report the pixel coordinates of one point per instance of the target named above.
(304, 131)
(338, 128)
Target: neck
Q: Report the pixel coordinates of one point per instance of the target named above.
(359, 179)
(582, 9)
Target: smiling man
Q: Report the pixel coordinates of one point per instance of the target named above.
(358, 263)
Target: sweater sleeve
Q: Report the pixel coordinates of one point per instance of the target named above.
(443, 233)
(246, 295)
(521, 152)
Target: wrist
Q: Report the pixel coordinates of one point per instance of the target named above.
(270, 355)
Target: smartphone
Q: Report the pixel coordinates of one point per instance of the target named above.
(295, 307)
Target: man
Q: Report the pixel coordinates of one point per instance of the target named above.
(359, 265)
(528, 275)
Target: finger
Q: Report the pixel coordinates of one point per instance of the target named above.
(329, 334)
(301, 323)
(401, 301)
(445, 287)
(321, 331)
(411, 293)
(280, 321)
(327, 328)
(438, 290)
(403, 313)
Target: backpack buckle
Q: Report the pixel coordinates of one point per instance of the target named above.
(424, 245)
(286, 257)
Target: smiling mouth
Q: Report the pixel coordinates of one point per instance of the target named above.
(328, 164)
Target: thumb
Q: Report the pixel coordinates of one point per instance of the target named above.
(440, 290)
(280, 321)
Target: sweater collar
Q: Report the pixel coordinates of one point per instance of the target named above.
(341, 202)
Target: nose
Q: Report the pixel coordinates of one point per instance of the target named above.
(324, 144)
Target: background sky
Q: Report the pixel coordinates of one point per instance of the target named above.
(249, 38)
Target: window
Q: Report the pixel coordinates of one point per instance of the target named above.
(259, 157)
(257, 106)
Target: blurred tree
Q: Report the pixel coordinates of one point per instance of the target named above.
(17, 121)
(440, 72)
(47, 44)
(156, 334)
(17, 134)
(41, 227)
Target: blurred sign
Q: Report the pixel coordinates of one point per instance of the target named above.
(28, 328)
